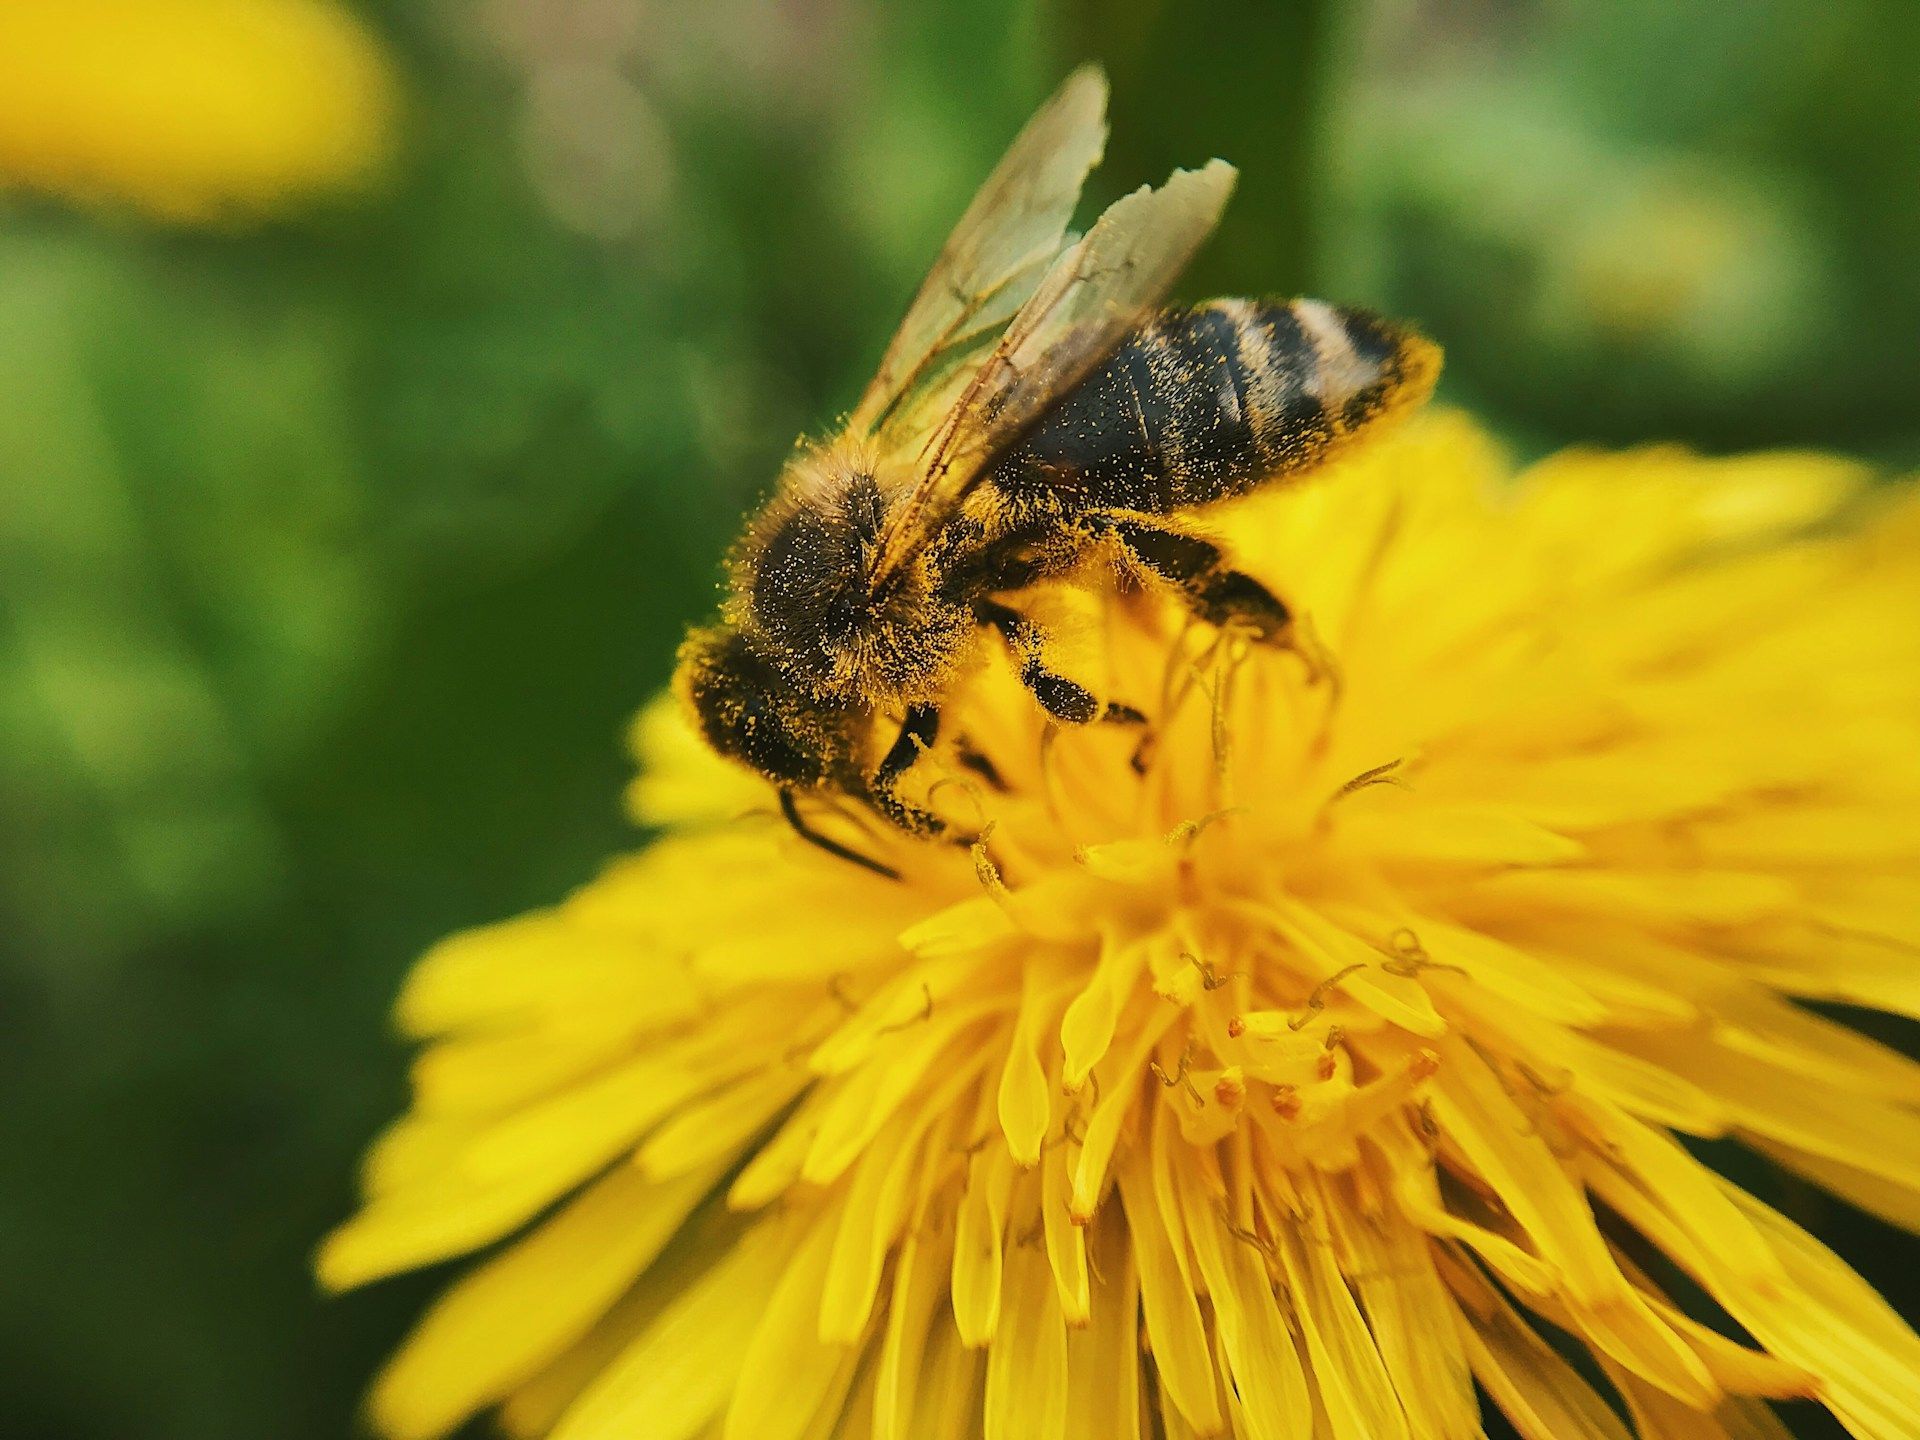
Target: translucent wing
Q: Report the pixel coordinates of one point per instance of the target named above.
(1009, 235)
(1097, 293)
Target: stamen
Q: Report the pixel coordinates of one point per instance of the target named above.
(1386, 774)
(1210, 979)
(925, 1015)
(1317, 997)
(1187, 831)
(1410, 957)
(987, 872)
(1426, 1126)
(1547, 1088)
(837, 987)
(971, 790)
(1249, 1237)
(1321, 664)
(1220, 698)
(1180, 1076)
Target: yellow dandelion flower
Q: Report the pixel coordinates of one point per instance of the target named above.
(1284, 1075)
(193, 110)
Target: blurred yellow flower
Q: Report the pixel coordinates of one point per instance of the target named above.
(193, 110)
(1280, 1076)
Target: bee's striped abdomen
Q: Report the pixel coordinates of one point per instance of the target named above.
(1203, 404)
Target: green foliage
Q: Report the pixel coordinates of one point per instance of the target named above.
(334, 555)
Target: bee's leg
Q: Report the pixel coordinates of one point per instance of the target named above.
(1022, 557)
(833, 847)
(1064, 699)
(917, 732)
(1194, 565)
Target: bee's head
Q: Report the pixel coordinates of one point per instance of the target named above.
(805, 593)
(748, 712)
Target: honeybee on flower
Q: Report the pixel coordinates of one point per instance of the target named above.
(1292, 1062)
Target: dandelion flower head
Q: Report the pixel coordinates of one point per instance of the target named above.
(191, 110)
(1318, 1064)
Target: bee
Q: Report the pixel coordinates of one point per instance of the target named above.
(1037, 406)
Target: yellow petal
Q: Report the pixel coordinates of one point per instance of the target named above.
(919, 1286)
(1173, 1325)
(787, 1373)
(1540, 1393)
(1027, 1363)
(677, 1376)
(503, 1322)
(977, 1245)
(1103, 1388)
(1351, 1378)
(1260, 1353)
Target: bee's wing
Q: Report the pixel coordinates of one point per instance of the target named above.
(1098, 292)
(1009, 235)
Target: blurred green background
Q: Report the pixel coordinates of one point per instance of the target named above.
(337, 545)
